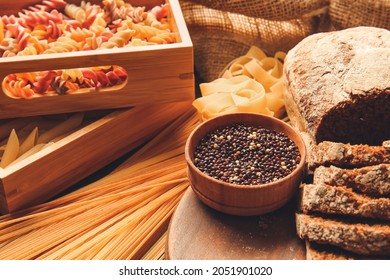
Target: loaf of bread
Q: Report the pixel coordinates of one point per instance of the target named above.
(361, 238)
(342, 201)
(338, 86)
(346, 155)
(372, 180)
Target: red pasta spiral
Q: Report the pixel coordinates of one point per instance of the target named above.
(104, 78)
(160, 11)
(43, 81)
(90, 15)
(48, 5)
(11, 19)
(22, 35)
(30, 18)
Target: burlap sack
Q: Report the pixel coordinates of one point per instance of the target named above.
(267, 9)
(219, 35)
(222, 30)
(351, 13)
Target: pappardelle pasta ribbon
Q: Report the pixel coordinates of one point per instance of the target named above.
(237, 94)
(250, 83)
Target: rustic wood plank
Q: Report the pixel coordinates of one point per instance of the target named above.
(197, 232)
(156, 74)
(62, 164)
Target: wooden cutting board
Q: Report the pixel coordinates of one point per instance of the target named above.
(197, 232)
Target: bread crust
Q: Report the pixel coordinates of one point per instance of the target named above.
(346, 155)
(372, 180)
(360, 238)
(342, 201)
(316, 251)
(328, 88)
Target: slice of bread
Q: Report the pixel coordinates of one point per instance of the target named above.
(347, 156)
(372, 180)
(363, 238)
(343, 201)
(315, 251)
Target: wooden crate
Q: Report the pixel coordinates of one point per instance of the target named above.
(156, 74)
(60, 165)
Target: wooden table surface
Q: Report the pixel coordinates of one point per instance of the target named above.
(197, 232)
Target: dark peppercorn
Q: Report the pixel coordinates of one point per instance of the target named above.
(246, 155)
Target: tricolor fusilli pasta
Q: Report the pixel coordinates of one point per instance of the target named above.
(55, 26)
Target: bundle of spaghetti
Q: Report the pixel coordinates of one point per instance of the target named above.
(164, 152)
(120, 216)
(139, 183)
(93, 225)
(130, 236)
(46, 232)
(167, 148)
(157, 251)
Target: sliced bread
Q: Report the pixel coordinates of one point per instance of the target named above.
(315, 251)
(342, 200)
(357, 237)
(346, 155)
(372, 180)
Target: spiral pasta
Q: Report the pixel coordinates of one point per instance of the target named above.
(94, 42)
(30, 50)
(22, 35)
(120, 39)
(138, 14)
(50, 21)
(143, 32)
(74, 75)
(163, 38)
(115, 9)
(48, 5)
(59, 82)
(1, 30)
(63, 44)
(56, 26)
(8, 46)
(39, 45)
(75, 12)
(42, 81)
(20, 88)
(104, 77)
(98, 24)
(10, 19)
(80, 34)
(157, 18)
(91, 14)
(30, 18)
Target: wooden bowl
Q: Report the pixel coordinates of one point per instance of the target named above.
(243, 200)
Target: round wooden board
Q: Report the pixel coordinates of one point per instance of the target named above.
(197, 232)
